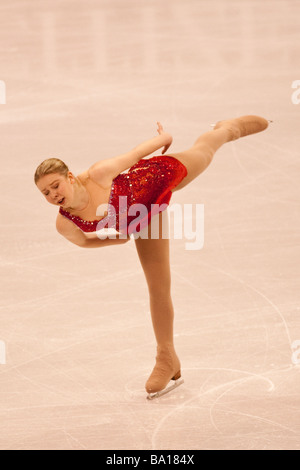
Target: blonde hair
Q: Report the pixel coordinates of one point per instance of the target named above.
(49, 166)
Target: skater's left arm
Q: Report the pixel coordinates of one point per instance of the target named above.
(105, 171)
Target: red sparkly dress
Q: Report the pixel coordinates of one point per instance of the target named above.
(143, 191)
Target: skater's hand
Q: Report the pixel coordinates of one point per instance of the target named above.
(169, 138)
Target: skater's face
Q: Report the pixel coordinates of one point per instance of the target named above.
(57, 189)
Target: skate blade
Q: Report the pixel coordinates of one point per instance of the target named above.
(177, 383)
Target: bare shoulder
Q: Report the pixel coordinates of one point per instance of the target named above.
(96, 173)
(84, 176)
(100, 173)
(63, 225)
(70, 231)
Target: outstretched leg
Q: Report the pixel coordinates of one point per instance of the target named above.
(200, 155)
(155, 260)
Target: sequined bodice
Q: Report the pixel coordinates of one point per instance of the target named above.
(148, 182)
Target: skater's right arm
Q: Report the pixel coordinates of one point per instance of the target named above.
(74, 235)
(104, 171)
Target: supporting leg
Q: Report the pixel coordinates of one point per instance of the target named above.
(154, 255)
(155, 261)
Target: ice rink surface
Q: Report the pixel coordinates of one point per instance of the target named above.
(87, 81)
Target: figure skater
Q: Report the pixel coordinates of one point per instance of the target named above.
(147, 181)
